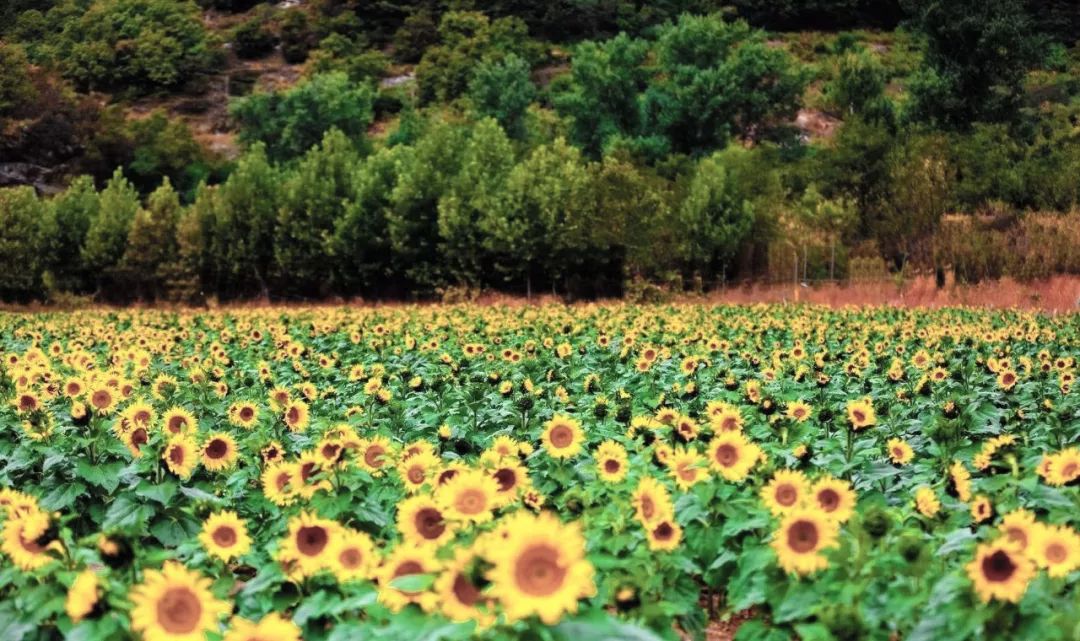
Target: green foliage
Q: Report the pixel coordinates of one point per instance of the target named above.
(26, 229)
(291, 122)
(164, 148)
(137, 45)
(340, 53)
(978, 52)
(106, 237)
(858, 87)
(151, 243)
(713, 219)
(252, 39)
(503, 90)
(74, 209)
(16, 89)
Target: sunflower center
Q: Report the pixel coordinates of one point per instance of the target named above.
(406, 569)
(179, 611)
(292, 416)
(611, 466)
(828, 499)
(416, 475)
(373, 456)
(726, 455)
(1017, 535)
(464, 590)
(1069, 470)
(282, 481)
(246, 414)
(330, 451)
(139, 437)
(176, 424)
(350, 558)
(176, 455)
(537, 571)
(446, 475)
(429, 523)
(787, 495)
(217, 449)
(101, 399)
(225, 536)
(506, 479)
(664, 532)
(858, 415)
(802, 536)
(998, 567)
(687, 472)
(562, 436)
(311, 540)
(471, 501)
(1056, 553)
(898, 452)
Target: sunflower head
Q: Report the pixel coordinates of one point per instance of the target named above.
(800, 540)
(1000, 571)
(175, 603)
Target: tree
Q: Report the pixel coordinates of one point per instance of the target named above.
(73, 210)
(16, 87)
(291, 122)
(164, 148)
(485, 164)
(977, 55)
(106, 237)
(859, 87)
(713, 220)
(151, 243)
(25, 232)
(503, 90)
(834, 216)
(311, 202)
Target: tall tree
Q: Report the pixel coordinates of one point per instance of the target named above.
(107, 235)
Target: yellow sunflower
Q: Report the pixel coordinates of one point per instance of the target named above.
(834, 497)
(421, 520)
(470, 496)
(225, 535)
(279, 482)
(512, 478)
(1019, 527)
(899, 451)
(798, 411)
(82, 596)
(688, 467)
(178, 421)
(861, 414)
(732, 456)
(786, 492)
(540, 568)
(272, 627)
(1000, 571)
(374, 453)
(353, 559)
(927, 502)
(563, 437)
(460, 589)
(1056, 548)
(22, 540)
(181, 456)
(405, 565)
(219, 452)
(800, 540)
(417, 470)
(664, 535)
(243, 414)
(175, 604)
(651, 501)
(297, 415)
(308, 545)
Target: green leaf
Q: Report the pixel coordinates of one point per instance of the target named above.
(61, 497)
(413, 582)
(161, 493)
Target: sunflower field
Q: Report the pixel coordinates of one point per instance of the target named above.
(510, 472)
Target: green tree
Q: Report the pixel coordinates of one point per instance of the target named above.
(361, 245)
(151, 243)
(291, 122)
(480, 184)
(16, 87)
(106, 237)
(73, 210)
(503, 90)
(164, 148)
(859, 86)
(977, 55)
(26, 229)
(713, 219)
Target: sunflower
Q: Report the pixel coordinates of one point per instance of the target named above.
(175, 604)
(82, 596)
(178, 421)
(688, 467)
(225, 536)
(134, 439)
(470, 496)
(504, 445)
(243, 414)
(279, 482)
(1019, 527)
(786, 492)
(180, 456)
(611, 462)
(1055, 548)
(563, 437)
(311, 475)
(834, 497)
(860, 414)
(140, 414)
(899, 451)
(540, 568)
(309, 544)
(272, 627)
(960, 479)
(1000, 571)
(103, 399)
(512, 477)
(926, 502)
(406, 561)
(421, 520)
(417, 470)
(353, 559)
(798, 411)
(297, 415)
(1006, 379)
(460, 588)
(732, 456)
(1064, 467)
(651, 501)
(800, 539)
(981, 509)
(664, 535)
(374, 453)
(219, 452)
(23, 540)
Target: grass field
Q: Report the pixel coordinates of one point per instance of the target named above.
(512, 472)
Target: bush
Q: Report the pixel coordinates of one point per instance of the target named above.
(252, 40)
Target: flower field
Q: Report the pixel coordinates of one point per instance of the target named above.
(592, 472)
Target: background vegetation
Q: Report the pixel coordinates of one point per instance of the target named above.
(234, 148)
